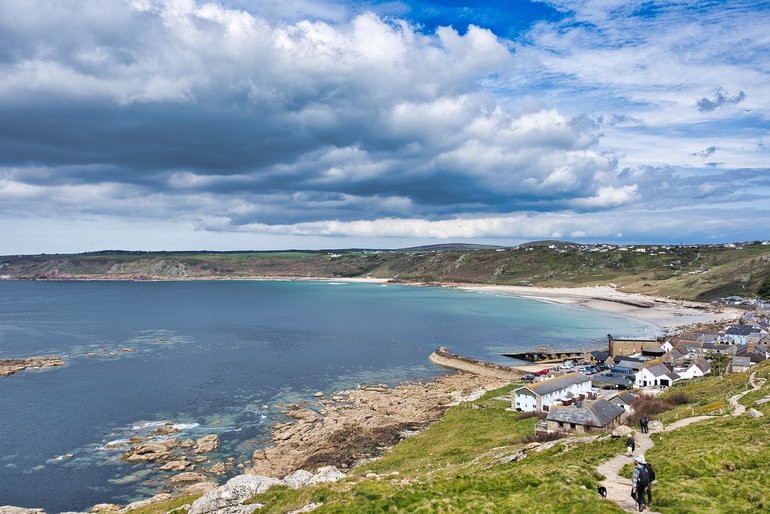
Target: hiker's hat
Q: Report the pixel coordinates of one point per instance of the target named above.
(639, 459)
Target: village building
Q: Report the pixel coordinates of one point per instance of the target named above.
(620, 345)
(588, 416)
(692, 369)
(540, 396)
(674, 356)
(739, 364)
(655, 375)
(624, 400)
(754, 352)
(742, 334)
(724, 349)
(598, 357)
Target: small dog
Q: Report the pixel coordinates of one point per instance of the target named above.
(602, 491)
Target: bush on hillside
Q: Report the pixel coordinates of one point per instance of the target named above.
(648, 405)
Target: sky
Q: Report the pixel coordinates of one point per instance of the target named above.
(278, 124)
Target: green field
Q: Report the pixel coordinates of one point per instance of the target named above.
(461, 464)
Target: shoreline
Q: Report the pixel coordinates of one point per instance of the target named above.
(379, 416)
(669, 315)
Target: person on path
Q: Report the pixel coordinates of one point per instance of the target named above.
(640, 481)
(643, 424)
(631, 444)
(651, 472)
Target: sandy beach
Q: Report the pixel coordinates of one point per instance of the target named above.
(667, 314)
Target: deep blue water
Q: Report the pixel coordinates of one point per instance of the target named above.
(210, 355)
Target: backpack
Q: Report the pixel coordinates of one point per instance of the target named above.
(650, 471)
(643, 479)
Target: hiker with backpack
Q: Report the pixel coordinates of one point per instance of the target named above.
(641, 482)
(644, 424)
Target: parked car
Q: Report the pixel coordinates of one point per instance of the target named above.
(542, 372)
(566, 365)
(528, 376)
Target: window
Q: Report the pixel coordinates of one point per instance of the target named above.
(572, 426)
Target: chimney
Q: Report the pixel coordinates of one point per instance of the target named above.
(751, 345)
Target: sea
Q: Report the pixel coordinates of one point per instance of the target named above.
(224, 357)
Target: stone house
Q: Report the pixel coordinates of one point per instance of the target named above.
(623, 400)
(588, 416)
(739, 364)
(618, 345)
(540, 396)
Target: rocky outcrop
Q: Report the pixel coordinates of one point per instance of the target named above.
(622, 431)
(7, 509)
(207, 443)
(299, 479)
(229, 498)
(361, 423)
(147, 452)
(11, 366)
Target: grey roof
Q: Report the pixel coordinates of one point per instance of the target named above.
(597, 413)
(708, 338)
(612, 379)
(625, 397)
(739, 330)
(757, 355)
(659, 370)
(554, 384)
(741, 361)
(600, 356)
(619, 358)
(716, 346)
(632, 364)
(702, 364)
(675, 354)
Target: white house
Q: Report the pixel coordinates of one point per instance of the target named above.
(656, 375)
(693, 369)
(540, 396)
(742, 334)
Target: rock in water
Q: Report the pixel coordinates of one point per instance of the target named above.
(229, 497)
(207, 443)
(146, 452)
(7, 509)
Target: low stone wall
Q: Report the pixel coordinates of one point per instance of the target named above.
(443, 357)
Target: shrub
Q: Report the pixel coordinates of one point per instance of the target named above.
(647, 405)
(531, 414)
(542, 437)
(679, 398)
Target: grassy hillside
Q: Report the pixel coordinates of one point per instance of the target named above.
(464, 463)
(695, 273)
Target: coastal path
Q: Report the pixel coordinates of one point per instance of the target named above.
(755, 383)
(619, 487)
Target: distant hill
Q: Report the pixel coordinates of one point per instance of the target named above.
(688, 271)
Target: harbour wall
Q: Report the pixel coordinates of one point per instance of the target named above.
(443, 357)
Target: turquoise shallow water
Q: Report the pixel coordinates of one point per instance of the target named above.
(209, 355)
